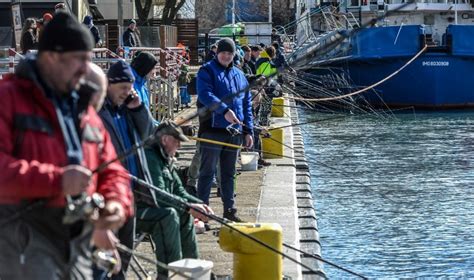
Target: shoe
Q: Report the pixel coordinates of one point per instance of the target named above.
(263, 162)
(230, 214)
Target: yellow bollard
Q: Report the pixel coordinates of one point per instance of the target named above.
(277, 107)
(252, 260)
(272, 147)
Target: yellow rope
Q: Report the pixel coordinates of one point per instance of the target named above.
(364, 89)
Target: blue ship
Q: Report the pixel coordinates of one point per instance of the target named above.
(441, 77)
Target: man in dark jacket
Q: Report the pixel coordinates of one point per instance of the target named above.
(49, 146)
(93, 29)
(254, 55)
(223, 91)
(170, 224)
(128, 123)
(130, 36)
(211, 54)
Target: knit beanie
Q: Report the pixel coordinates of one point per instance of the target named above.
(65, 34)
(120, 72)
(143, 63)
(225, 45)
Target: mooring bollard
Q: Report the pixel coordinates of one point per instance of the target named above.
(252, 260)
(272, 146)
(277, 107)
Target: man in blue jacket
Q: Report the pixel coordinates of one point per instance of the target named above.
(223, 91)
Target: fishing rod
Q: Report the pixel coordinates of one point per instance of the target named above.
(199, 112)
(315, 162)
(185, 205)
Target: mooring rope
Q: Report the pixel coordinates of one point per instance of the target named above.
(364, 89)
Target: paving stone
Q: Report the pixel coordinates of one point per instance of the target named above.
(307, 195)
(304, 202)
(307, 223)
(309, 235)
(306, 213)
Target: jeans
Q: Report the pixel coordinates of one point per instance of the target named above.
(211, 155)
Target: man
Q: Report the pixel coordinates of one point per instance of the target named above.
(254, 55)
(143, 69)
(170, 224)
(93, 29)
(223, 91)
(246, 67)
(211, 54)
(129, 37)
(128, 123)
(276, 37)
(97, 76)
(48, 149)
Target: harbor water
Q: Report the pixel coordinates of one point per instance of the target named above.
(394, 196)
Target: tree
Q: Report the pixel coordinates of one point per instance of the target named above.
(143, 11)
(170, 10)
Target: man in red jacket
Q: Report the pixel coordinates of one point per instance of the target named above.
(50, 141)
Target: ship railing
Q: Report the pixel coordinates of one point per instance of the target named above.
(351, 16)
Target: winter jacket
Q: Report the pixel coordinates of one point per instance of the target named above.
(130, 38)
(141, 87)
(33, 151)
(222, 89)
(140, 125)
(164, 175)
(265, 66)
(95, 33)
(28, 42)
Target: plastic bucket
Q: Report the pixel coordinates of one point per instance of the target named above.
(249, 161)
(192, 268)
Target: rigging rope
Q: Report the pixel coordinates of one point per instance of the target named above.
(364, 89)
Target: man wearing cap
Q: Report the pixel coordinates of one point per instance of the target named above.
(128, 122)
(170, 224)
(224, 94)
(49, 145)
(143, 68)
(130, 36)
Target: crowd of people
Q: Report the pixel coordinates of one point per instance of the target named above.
(64, 133)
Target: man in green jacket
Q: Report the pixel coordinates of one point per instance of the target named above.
(170, 225)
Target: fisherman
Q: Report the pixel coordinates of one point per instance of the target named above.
(171, 227)
(222, 89)
(143, 69)
(254, 55)
(128, 122)
(97, 76)
(48, 149)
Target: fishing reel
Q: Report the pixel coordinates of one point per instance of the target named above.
(82, 207)
(105, 260)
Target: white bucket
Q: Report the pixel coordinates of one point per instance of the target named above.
(192, 268)
(249, 161)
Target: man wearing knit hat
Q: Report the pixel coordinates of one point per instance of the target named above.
(130, 36)
(223, 91)
(128, 122)
(48, 147)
